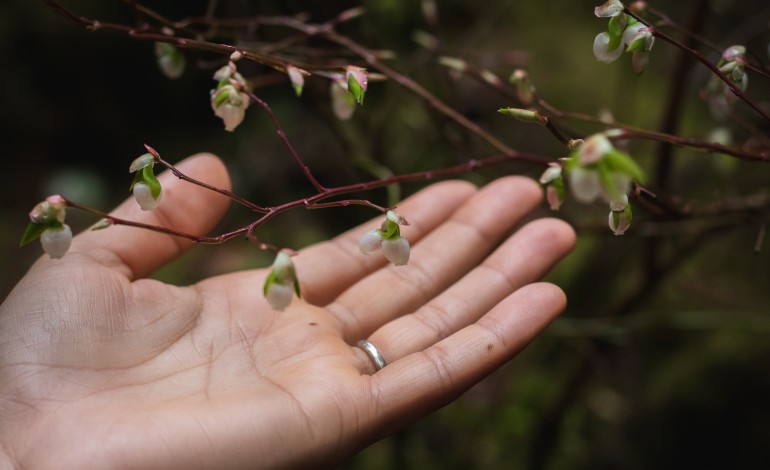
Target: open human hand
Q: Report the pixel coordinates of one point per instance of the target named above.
(103, 368)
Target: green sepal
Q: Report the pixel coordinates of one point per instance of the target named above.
(151, 181)
(33, 231)
(604, 175)
(221, 98)
(271, 278)
(619, 161)
(296, 287)
(356, 89)
(615, 31)
(390, 230)
(137, 178)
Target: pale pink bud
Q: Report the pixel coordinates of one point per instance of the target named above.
(297, 78)
(56, 241)
(358, 74)
(396, 250)
(279, 296)
(371, 241)
(553, 197)
(733, 53)
(601, 53)
(594, 149)
(144, 198)
(608, 9)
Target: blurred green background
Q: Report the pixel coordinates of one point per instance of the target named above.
(662, 359)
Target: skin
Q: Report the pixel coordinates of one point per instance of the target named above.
(101, 367)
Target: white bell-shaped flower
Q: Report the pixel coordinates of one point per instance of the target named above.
(601, 42)
(279, 295)
(619, 222)
(144, 197)
(396, 250)
(56, 241)
(371, 241)
(585, 184)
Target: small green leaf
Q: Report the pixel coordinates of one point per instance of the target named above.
(296, 287)
(356, 89)
(33, 231)
(271, 279)
(148, 176)
(619, 161)
(615, 31)
(390, 230)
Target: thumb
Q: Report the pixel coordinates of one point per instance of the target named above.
(184, 207)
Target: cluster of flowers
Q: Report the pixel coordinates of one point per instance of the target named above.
(595, 170)
(623, 30)
(230, 99)
(282, 284)
(733, 65)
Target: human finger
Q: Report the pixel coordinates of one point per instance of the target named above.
(184, 207)
(330, 267)
(524, 258)
(439, 259)
(421, 382)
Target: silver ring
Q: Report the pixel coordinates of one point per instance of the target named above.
(374, 354)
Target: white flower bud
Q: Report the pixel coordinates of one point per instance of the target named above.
(550, 174)
(619, 204)
(231, 115)
(343, 103)
(281, 284)
(279, 295)
(140, 162)
(170, 61)
(619, 222)
(144, 198)
(396, 250)
(601, 53)
(370, 242)
(585, 184)
(297, 78)
(594, 149)
(56, 241)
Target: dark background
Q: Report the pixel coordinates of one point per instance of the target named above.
(653, 365)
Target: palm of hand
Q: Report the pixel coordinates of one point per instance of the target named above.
(102, 367)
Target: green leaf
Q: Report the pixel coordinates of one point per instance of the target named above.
(148, 175)
(391, 230)
(356, 89)
(296, 287)
(615, 31)
(271, 279)
(619, 161)
(33, 231)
